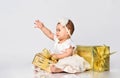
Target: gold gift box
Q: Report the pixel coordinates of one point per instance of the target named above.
(97, 56)
(43, 60)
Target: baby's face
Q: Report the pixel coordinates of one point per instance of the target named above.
(61, 32)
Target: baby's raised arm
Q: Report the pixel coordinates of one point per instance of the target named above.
(44, 29)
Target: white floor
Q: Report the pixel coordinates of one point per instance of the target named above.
(87, 74)
(26, 71)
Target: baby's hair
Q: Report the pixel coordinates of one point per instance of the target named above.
(70, 26)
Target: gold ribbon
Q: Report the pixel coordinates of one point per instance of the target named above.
(101, 58)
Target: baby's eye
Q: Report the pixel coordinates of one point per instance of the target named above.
(58, 30)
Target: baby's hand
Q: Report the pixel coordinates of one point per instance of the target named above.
(54, 56)
(38, 24)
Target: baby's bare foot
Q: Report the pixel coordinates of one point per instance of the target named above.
(52, 68)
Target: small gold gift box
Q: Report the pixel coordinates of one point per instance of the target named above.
(97, 56)
(43, 60)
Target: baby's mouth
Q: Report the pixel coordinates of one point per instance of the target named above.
(57, 35)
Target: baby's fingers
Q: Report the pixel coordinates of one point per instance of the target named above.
(37, 21)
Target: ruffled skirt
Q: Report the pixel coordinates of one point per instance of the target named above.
(73, 64)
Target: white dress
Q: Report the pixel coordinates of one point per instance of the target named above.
(71, 64)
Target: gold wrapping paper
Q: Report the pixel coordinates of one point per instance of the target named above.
(97, 56)
(43, 60)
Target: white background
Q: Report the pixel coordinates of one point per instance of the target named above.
(97, 22)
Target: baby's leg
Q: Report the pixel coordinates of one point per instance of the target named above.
(55, 69)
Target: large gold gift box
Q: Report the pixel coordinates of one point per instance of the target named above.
(97, 56)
